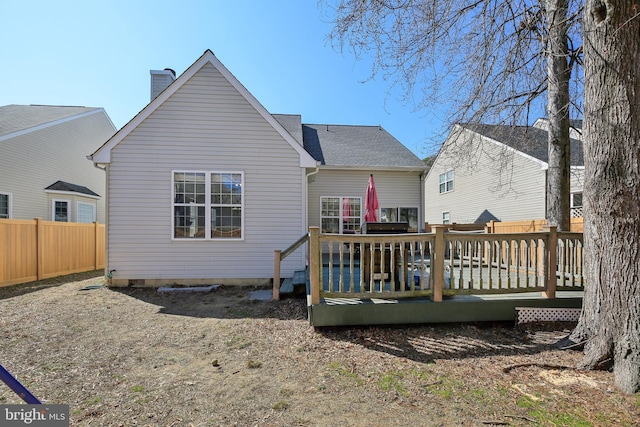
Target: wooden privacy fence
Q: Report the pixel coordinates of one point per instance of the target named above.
(444, 262)
(530, 226)
(36, 249)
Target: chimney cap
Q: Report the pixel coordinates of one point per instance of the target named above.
(171, 70)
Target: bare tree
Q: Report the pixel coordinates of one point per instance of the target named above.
(610, 319)
(493, 61)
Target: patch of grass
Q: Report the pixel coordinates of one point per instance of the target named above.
(286, 392)
(344, 371)
(565, 419)
(526, 403)
(237, 343)
(137, 388)
(254, 364)
(280, 406)
(392, 381)
(537, 411)
(93, 401)
(447, 388)
(478, 394)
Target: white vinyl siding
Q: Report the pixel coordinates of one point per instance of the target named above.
(206, 125)
(394, 189)
(57, 152)
(511, 188)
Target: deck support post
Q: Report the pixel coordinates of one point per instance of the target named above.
(276, 274)
(437, 263)
(314, 264)
(551, 267)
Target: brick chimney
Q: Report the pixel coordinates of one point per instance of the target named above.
(160, 80)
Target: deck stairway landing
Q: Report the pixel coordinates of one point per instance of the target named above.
(291, 284)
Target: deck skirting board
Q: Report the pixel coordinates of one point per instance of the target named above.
(351, 312)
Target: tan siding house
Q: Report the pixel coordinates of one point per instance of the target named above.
(485, 172)
(204, 184)
(44, 171)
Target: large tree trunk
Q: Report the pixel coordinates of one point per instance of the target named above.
(559, 73)
(610, 320)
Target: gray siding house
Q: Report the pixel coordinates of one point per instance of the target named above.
(204, 183)
(486, 172)
(44, 172)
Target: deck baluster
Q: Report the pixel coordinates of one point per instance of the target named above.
(341, 258)
(509, 248)
(330, 271)
(351, 267)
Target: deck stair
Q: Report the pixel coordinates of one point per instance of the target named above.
(291, 284)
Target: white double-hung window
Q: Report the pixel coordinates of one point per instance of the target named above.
(340, 215)
(60, 210)
(208, 205)
(446, 181)
(5, 205)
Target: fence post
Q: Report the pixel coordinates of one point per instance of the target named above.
(552, 281)
(96, 229)
(314, 264)
(437, 260)
(276, 274)
(39, 249)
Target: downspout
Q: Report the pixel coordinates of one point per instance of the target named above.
(306, 199)
(306, 202)
(108, 273)
(423, 203)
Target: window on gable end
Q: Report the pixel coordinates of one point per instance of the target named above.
(446, 181)
(208, 205)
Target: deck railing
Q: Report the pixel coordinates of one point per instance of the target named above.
(443, 263)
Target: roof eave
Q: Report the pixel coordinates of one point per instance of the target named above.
(375, 168)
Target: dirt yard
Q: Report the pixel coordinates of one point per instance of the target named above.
(136, 357)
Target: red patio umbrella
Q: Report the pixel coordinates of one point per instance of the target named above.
(371, 202)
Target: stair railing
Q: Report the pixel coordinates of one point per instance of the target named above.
(278, 257)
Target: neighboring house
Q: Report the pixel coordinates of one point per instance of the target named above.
(204, 183)
(486, 172)
(44, 170)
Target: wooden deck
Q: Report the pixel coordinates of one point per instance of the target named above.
(463, 277)
(365, 310)
(439, 277)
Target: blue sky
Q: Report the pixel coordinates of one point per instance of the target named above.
(99, 53)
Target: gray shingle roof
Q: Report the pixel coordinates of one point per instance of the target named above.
(73, 188)
(529, 140)
(15, 118)
(292, 124)
(357, 146)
